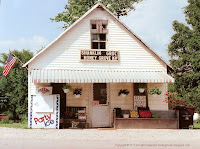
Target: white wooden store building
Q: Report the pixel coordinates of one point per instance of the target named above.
(101, 56)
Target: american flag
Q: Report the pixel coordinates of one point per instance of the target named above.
(9, 64)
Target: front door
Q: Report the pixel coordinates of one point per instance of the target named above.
(100, 106)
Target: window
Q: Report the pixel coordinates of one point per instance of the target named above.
(100, 92)
(98, 41)
(94, 26)
(102, 37)
(98, 34)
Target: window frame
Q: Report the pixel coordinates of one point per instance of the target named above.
(101, 28)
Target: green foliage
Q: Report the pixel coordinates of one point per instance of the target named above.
(154, 91)
(76, 8)
(196, 124)
(173, 97)
(155, 116)
(67, 86)
(5, 121)
(14, 87)
(24, 118)
(184, 50)
(142, 85)
(77, 91)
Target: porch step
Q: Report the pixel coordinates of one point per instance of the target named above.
(106, 129)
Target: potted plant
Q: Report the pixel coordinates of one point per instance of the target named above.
(77, 92)
(123, 92)
(141, 87)
(75, 124)
(174, 100)
(155, 115)
(154, 91)
(66, 88)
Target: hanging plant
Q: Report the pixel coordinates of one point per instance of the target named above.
(154, 91)
(141, 87)
(77, 91)
(66, 88)
(123, 92)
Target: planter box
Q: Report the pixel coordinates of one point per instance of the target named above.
(126, 115)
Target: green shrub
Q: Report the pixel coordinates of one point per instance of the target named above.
(154, 91)
(9, 114)
(5, 121)
(24, 119)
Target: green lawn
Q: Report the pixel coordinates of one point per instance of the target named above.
(196, 124)
(15, 125)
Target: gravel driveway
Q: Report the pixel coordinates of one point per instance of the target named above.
(11, 138)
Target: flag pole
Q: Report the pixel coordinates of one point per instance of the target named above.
(18, 59)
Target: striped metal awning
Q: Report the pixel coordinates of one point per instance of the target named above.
(98, 76)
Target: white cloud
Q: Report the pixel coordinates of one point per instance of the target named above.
(33, 43)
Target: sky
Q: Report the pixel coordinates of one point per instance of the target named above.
(25, 24)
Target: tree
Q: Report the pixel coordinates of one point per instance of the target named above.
(76, 8)
(184, 50)
(14, 87)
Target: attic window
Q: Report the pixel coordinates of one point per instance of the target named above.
(98, 41)
(103, 26)
(94, 26)
(102, 37)
(98, 34)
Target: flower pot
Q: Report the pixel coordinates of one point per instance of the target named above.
(77, 96)
(126, 115)
(190, 109)
(123, 95)
(65, 90)
(154, 95)
(141, 90)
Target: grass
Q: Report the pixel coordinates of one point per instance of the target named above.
(15, 125)
(196, 124)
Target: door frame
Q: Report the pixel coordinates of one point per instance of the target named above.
(91, 103)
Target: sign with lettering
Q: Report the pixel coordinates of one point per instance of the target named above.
(99, 55)
(139, 101)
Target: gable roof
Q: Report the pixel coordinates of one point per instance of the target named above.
(82, 17)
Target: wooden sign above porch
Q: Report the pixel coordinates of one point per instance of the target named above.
(99, 56)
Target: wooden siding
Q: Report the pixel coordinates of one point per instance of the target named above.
(157, 102)
(125, 103)
(83, 101)
(64, 53)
